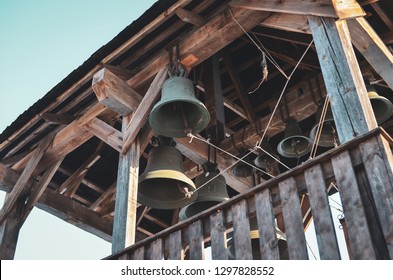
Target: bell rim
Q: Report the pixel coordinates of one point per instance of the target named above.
(281, 151)
(155, 174)
(182, 212)
(389, 106)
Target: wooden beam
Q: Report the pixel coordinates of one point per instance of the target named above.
(241, 93)
(350, 104)
(58, 118)
(302, 7)
(203, 42)
(126, 196)
(383, 15)
(368, 43)
(62, 207)
(287, 22)
(190, 17)
(346, 9)
(141, 114)
(9, 230)
(115, 93)
(108, 194)
(21, 185)
(106, 133)
(38, 189)
(235, 108)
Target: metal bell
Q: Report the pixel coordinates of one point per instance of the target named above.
(178, 112)
(265, 161)
(294, 143)
(209, 195)
(382, 106)
(329, 137)
(242, 169)
(164, 185)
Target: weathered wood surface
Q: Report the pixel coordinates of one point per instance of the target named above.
(106, 133)
(155, 251)
(175, 246)
(293, 219)
(195, 233)
(139, 254)
(126, 197)
(377, 153)
(218, 236)
(343, 79)
(241, 231)
(346, 9)
(267, 227)
(323, 222)
(358, 231)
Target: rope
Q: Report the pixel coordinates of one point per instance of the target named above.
(319, 129)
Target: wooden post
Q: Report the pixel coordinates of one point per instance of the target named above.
(126, 196)
(351, 106)
(9, 230)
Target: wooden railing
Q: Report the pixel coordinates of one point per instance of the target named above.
(361, 170)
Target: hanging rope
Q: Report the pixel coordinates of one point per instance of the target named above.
(319, 129)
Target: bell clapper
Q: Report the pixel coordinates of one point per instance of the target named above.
(185, 190)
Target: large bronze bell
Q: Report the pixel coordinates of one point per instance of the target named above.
(382, 106)
(329, 137)
(178, 112)
(255, 247)
(209, 195)
(265, 161)
(164, 185)
(294, 143)
(242, 169)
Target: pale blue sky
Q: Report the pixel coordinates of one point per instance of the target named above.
(41, 42)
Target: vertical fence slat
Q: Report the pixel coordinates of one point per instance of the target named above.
(241, 231)
(195, 234)
(175, 246)
(266, 226)
(359, 234)
(377, 156)
(324, 226)
(139, 254)
(155, 251)
(218, 237)
(293, 219)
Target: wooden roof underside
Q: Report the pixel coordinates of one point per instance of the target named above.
(88, 135)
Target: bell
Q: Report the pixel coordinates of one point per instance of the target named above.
(242, 169)
(178, 112)
(328, 136)
(265, 161)
(294, 143)
(209, 195)
(382, 106)
(164, 185)
(256, 251)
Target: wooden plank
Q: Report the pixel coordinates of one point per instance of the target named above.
(371, 46)
(350, 104)
(355, 217)
(21, 185)
(293, 219)
(267, 227)
(377, 154)
(203, 42)
(106, 133)
(218, 236)
(241, 231)
(190, 17)
(141, 114)
(195, 234)
(346, 9)
(58, 118)
(9, 230)
(104, 197)
(126, 196)
(115, 93)
(323, 222)
(322, 8)
(139, 254)
(176, 251)
(155, 251)
(287, 22)
(37, 190)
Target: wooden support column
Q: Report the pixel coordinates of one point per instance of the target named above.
(9, 230)
(351, 106)
(126, 196)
